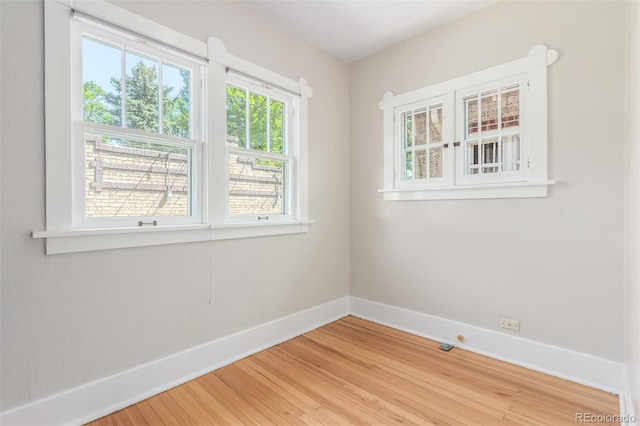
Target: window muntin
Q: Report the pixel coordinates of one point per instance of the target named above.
(140, 127)
(260, 141)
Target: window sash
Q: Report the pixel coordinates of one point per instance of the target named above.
(194, 179)
(81, 29)
(444, 145)
(464, 153)
(195, 143)
(289, 155)
(286, 183)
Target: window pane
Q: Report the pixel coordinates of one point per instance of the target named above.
(409, 165)
(489, 111)
(136, 178)
(142, 92)
(435, 162)
(236, 116)
(277, 125)
(435, 124)
(408, 129)
(420, 118)
(256, 186)
(101, 77)
(258, 121)
(490, 155)
(176, 101)
(511, 153)
(471, 109)
(420, 164)
(473, 158)
(510, 114)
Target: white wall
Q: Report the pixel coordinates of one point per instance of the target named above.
(554, 263)
(69, 319)
(632, 204)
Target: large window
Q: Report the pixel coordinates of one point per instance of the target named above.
(492, 144)
(153, 137)
(141, 129)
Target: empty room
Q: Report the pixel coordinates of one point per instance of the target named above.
(319, 212)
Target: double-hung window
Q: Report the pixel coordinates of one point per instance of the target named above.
(260, 144)
(483, 135)
(138, 132)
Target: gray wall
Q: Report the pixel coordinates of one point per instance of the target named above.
(632, 205)
(554, 263)
(69, 319)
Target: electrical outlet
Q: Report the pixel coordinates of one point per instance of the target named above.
(510, 324)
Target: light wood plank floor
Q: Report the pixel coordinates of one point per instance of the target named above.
(356, 372)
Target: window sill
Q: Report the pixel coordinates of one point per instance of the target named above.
(467, 192)
(82, 240)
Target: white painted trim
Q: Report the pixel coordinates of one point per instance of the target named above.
(626, 402)
(143, 26)
(578, 367)
(463, 192)
(80, 240)
(96, 399)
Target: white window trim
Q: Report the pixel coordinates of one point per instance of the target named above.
(534, 185)
(447, 134)
(60, 234)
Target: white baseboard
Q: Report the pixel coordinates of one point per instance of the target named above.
(95, 399)
(578, 367)
(626, 402)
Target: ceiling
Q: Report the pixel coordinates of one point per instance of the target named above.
(352, 29)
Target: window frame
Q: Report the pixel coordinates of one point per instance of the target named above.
(530, 181)
(62, 234)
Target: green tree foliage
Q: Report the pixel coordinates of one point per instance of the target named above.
(100, 106)
(238, 102)
(142, 98)
(176, 109)
(97, 105)
(236, 114)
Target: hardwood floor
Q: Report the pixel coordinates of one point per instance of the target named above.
(356, 372)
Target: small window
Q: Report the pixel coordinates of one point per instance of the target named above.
(260, 142)
(493, 144)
